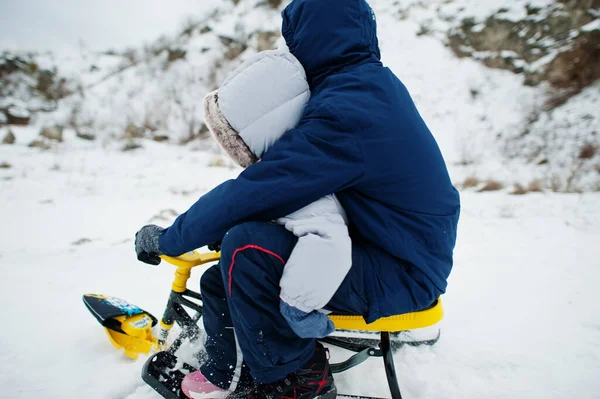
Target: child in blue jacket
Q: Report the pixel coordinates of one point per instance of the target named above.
(360, 137)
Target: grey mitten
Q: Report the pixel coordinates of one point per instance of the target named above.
(307, 325)
(146, 244)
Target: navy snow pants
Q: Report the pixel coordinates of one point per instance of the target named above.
(241, 305)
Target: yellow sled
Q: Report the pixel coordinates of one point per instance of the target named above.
(130, 328)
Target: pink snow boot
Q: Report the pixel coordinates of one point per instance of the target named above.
(196, 386)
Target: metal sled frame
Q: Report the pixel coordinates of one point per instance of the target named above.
(381, 348)
(160, 370)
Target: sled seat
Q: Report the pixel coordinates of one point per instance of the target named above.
(382, 348)
(397, 323)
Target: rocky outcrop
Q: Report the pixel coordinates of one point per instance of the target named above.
(266, 40)
(579, 67)
(133, 132)
(559, 44)
(176, 54)
(25, 88)
(130, 145)
(85, 133)
(233, 47)
(17, 116)
(270, 3)
(41, 144)
(53, 133)
(9, 138)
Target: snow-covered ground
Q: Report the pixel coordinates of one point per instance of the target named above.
(521, 308)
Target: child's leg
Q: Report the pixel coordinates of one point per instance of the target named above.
(253, 258)
(270, 348)
(221, 368)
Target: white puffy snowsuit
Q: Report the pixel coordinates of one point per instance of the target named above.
(254, 107)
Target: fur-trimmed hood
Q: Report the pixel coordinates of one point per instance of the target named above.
(257, 104)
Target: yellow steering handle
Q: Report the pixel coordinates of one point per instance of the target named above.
(192, 258)
(185, 263)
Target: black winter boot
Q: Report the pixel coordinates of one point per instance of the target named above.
(313, 380)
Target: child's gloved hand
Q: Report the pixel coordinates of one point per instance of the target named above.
(307, 325)
(146, 244)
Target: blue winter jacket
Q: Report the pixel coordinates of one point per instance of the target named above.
(362, 138)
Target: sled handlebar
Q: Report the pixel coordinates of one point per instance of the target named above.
(192, 259)
(185, 263)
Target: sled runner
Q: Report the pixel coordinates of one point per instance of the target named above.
(164, 372)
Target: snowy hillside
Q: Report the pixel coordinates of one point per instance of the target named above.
(156, 90)
(492, 124)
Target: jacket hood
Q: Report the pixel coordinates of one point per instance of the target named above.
(261, 100)
(329, 35)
